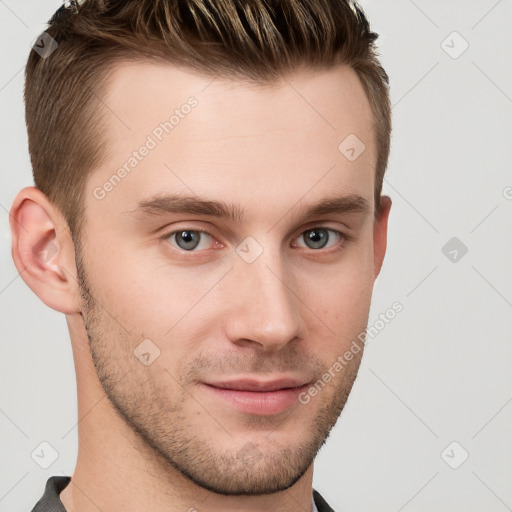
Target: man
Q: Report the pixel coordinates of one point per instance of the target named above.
(208, 216)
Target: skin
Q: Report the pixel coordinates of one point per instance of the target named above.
(159, 439)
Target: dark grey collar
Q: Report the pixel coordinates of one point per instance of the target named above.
(50, 501)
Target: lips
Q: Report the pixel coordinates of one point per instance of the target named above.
(257, 397)
(246, 384)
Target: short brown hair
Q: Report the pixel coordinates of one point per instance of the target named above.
(252, 40)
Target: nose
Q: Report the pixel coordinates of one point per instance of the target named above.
(264, 308)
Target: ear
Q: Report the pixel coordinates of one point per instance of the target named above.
(380, 234)
(43, 250)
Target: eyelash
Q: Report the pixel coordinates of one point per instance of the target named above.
(343, 238)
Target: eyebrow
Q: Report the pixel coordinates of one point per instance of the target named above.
(195, 205)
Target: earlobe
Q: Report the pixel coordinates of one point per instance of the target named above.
(380, 234)
(43, 251)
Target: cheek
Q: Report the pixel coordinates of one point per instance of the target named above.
(340, 295)
(149, 295)
(344, 309)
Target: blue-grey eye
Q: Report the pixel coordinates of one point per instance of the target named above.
(188, 239)
(318, 238)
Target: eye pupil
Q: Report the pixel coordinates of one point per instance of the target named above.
(319, 237)
(187, 240)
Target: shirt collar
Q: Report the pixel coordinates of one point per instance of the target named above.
(50, 501)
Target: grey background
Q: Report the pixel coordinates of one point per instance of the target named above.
(439, 372)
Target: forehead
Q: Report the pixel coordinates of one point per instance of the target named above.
(221, 138)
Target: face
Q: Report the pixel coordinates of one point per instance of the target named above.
(245, 279)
